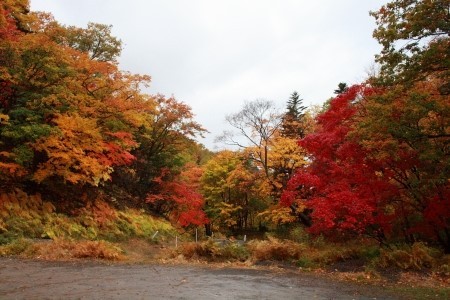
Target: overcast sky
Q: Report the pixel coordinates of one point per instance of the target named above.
(215, 55)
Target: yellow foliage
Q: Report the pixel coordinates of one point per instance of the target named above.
(277, 215)
(4, 119)
(226, 213)
(286, 153)
(74, 152)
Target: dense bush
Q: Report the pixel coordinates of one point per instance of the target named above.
(214, 251)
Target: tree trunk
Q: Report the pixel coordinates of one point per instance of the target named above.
(208, 229)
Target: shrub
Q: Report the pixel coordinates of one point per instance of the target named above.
(299, 234)
(188, 250)
(370, 252)
(275, 249)
(6, 238)
(96, 249)
(313, 257)
(211, 250)
(415, 258)
(235, 252)
(16, 247)
(304, 262)
(66, 249)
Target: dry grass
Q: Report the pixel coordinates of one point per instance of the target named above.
(66, 250)
(95, 249)
(191, 250)
(275, 249)
(272, 249)
(29, 216)
(16, 247)
(212, 251)
(417, 257)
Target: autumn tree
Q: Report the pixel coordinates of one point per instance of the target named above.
(257, 123)
(220, 205)
(72, 123)
(285, 155)
(57, 110)
(234, 192)
(379, 166)
(163, 139)
(9, 32)
(96, 40)
(15, 17)
(178, 196)
(271, 152)
(269, 138)
(411, 115)
(339, 193)
(407, 133)
(380, 153)
(415, 40)
(22, 71)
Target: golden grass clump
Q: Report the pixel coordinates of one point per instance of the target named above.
(97, 249)
(275, 249)
(66, 249)
(213, 251)
(416, 258)
(190, 250)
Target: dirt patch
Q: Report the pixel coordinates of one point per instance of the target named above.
(141, 251)
(349, 265)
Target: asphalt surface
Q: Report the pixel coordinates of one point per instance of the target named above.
(31, 279)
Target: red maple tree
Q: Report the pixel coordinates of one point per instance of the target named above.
(341, 186)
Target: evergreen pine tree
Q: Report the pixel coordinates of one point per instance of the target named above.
(292, 119)
(342, 88)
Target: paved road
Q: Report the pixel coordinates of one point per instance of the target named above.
(25, 279)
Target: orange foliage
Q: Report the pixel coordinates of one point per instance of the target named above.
(77, 151)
